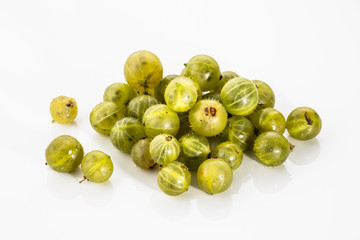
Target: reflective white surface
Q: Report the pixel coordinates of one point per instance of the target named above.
(307, 51)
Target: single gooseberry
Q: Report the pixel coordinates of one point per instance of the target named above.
(214, 175)
(64, 154)
(303, 123)
(240, 131)
(119, 93)
(125, 133)
(174, 178)
(97, 167)
(164, 148)
(208, 118)
(229, 152)
(143, 70)
(138, 105)
(140, 154)
(194, 149)
(104, 116)
(180, 94)
(63, 109)
(239, 96)
(160, 119)
(203, 70)
(272, 148)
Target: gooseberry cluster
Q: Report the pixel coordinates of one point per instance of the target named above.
(171, 122)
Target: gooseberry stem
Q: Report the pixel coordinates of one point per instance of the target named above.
(85, 178)
(292, 147)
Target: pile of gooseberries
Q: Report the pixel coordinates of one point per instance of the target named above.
(170, 123)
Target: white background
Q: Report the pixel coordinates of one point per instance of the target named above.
(307, 51)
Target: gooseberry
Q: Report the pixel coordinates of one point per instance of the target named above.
(214, 175)
(104, 116)
(303, 123)
(174, 178)
(229, 152)
(164, 148)
(125, 133)
(208, 118)
(239, 96)
(64, 154)
(203, 70)
(143, 70)
(272, 148)
(160, 119)
(63, 109)
(97, 167)
(180, 94)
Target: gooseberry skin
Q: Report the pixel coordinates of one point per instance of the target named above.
(272, 148)
(181, 94)
(203, 70)
(240, 131)
(64, 154)
(160, 119)
(140, 154)
(97, 166)
(143, 70)
(303, 123)
(266, 94)
(126, 132)
(119, 93)
(138, 105)
(164, 148)
(174, 178)
(268, 119)
(208, 118)
(63, 109)
(104, 116)
(214, 175)
(225, 77)
(212, 96)
(239, 96)
(229, 152)
(159, 90)
(184, 124)
(194, 149)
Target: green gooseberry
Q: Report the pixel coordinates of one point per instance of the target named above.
(164, 148)
(272, 148)
(140, 154)
(203, 70)
(174, 178)
(119, 93)
(212, 96)
(160, 119)
(214, 175)
(239, 96)
(159, 90)
(208, 118)
(225, 77)
(266, 95)
(104, 116)
(125, 133)
(303, 123)
(240, 131)
(97, 167)
(64, 154)
(229, 152)
(194, 149)
(138, 105)
(143, 70)
(63, 109)
(268, 119)
(180, 94)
